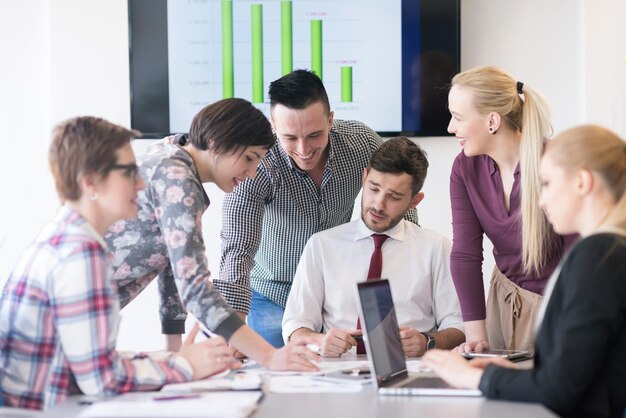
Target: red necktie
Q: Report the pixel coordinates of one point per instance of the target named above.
(376, 267)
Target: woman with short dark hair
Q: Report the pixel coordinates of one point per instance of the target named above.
(226, 142)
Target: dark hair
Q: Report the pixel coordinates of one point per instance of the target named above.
(230, 125)
(297, 90)
(401, 155)
(81, 146)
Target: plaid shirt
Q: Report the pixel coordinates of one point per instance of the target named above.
(267, 221)
(59, 316)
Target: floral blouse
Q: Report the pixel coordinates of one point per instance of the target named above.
(165, 240)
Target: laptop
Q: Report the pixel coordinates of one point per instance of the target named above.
(384, 348)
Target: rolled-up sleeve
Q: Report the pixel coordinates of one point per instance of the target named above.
(446, 307)
(242, 225)
(306, 299)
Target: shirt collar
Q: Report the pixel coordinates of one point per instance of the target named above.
(493, 167)
(397, 232)
(68, 215)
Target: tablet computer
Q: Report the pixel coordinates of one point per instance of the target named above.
(507, 354)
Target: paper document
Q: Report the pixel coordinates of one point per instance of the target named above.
(231, 381)
(145, 404)
(324, 368)
(309, 384)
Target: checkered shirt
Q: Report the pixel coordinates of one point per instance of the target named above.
(267, 221)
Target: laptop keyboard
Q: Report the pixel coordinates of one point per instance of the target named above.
(426, 383)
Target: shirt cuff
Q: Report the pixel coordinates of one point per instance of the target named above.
(229, 326)
(173, 326)
(182, 365)
(485, 381)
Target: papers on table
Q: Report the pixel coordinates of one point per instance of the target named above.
(309, 384)
(292, 382)
(231, 381)
(139, 405)
(324, 368)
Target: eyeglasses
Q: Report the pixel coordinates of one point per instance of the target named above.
(130, 170)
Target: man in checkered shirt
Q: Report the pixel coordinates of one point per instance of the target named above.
(307, 183)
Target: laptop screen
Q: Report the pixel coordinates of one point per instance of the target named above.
(381, 326)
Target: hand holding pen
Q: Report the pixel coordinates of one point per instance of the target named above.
(207, 357)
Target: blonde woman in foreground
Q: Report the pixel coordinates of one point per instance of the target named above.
(579, 368)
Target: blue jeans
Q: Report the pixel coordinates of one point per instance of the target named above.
(266, 319)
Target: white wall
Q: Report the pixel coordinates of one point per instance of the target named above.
(604, 46)
(64, 58)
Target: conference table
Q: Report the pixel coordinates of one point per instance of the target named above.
(363, 404)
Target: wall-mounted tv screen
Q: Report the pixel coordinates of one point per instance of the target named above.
(387, 63)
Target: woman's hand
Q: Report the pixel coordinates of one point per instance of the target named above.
(469, 346)
(481, 363)
(453, 368)
(207, 357)
(294, 356)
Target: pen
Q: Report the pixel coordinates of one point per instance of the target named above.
(203, 329)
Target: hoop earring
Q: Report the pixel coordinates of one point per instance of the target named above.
(93, 196)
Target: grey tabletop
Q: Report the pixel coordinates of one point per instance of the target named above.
(364, 404)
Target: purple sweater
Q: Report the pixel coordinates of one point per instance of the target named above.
(476, 195)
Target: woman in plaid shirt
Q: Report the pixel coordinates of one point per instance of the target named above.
(59, 312)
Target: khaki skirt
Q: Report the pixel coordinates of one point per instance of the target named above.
(511, 314)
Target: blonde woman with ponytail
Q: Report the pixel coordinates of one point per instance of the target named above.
(581, 340)
(502, 125)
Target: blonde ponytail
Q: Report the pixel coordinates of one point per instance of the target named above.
(493, 90)
(536, 231)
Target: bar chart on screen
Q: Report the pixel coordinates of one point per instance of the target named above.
(235, 48)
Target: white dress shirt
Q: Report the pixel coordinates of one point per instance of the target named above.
(415, 260)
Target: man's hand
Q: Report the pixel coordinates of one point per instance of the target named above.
(413, 342)
(336, 342)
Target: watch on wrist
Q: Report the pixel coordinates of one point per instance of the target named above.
(430, 341)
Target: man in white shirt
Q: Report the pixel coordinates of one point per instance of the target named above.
(416, 261)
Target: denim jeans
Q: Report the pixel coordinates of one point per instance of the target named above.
(266, 319)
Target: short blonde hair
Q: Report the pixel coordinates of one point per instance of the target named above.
(493, 90)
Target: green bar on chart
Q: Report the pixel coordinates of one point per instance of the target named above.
(316, 47)
(228, 72)
(346, 84)
(257, 53)
(286, 37)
